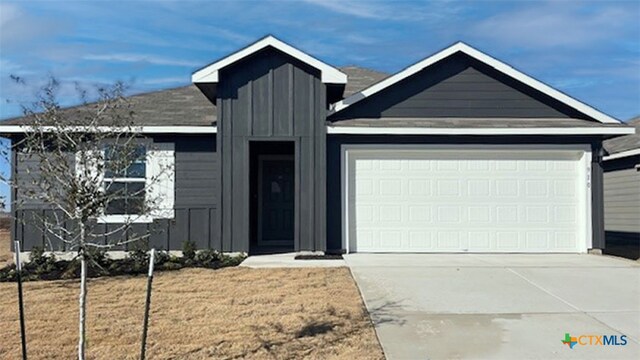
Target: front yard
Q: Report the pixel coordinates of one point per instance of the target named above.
(197, 313)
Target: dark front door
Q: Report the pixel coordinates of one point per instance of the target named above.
(276, 200)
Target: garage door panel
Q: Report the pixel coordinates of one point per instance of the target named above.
(449, 201)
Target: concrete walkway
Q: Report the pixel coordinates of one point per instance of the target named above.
(287, 260)
(512, 306)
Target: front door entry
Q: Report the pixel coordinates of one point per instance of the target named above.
(276, 196)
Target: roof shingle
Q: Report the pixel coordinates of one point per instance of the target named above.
(187, 106)
(624, 143)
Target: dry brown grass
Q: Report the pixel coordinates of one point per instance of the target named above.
(196, 314)
(6, 256)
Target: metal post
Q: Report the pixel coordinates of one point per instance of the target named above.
(20, 301)
(147, 305)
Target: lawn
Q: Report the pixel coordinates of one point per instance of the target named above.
(6, 256)
(198, 313)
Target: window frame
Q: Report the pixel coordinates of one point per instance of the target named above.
(107, 218)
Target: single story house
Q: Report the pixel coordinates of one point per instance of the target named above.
(622, 194)
(276, 150)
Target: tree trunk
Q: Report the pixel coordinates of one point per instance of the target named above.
(83, 295)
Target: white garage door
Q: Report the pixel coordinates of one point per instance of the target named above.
(470, 200)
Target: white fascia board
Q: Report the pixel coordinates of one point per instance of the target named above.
(210, 74)
(18, 129)
(361, 130)
(622, 154)
(482, 57)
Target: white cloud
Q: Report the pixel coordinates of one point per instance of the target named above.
(7, 13)
(19, 28)
(392, 10)
(556, 24)
(359, 9)
(133, 58)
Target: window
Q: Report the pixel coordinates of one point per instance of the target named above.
(141, 178)
(125, 178)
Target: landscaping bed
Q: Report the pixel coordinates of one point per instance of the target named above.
(43, 266)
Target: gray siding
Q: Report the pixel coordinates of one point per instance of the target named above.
(458, 86)
(622, 195)
(271, 96)
(196, 205)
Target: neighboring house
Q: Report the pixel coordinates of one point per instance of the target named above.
(278, 151)
(622, 194)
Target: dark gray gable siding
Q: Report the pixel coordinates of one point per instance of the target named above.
(196, 203)
(459, 86)
(271, 96)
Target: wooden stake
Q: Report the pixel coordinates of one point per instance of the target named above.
(147, 305)
(23, 335)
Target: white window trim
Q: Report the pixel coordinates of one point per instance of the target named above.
(585, 158)
(165, 213)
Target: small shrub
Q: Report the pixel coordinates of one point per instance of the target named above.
(227, 260)
(207, 256)
(97, 260)
(36, 255)
(8, 273)
(39, 263)
(161, 257)
(139, 256)
(72, 270)
(189, 250)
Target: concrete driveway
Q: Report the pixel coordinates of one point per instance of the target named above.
(427, 306)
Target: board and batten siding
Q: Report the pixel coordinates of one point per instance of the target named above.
(622, 195)
(195, 203)
(271, 96)
(458, 87)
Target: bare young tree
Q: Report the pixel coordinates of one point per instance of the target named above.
(85, 164)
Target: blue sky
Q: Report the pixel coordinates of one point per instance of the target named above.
(588, 49)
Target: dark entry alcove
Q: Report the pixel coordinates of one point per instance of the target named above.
(272, 196)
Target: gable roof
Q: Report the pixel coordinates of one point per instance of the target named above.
(486, 59)
(625, 145)
(187, 106)
(210, 73)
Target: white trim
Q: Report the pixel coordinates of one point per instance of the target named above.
(584, 175)
(19, 129)
(588, 196)
(622, 154)
(210, 73)
(362, 130)
(160, 179)
(124, 219)
(480, 56)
